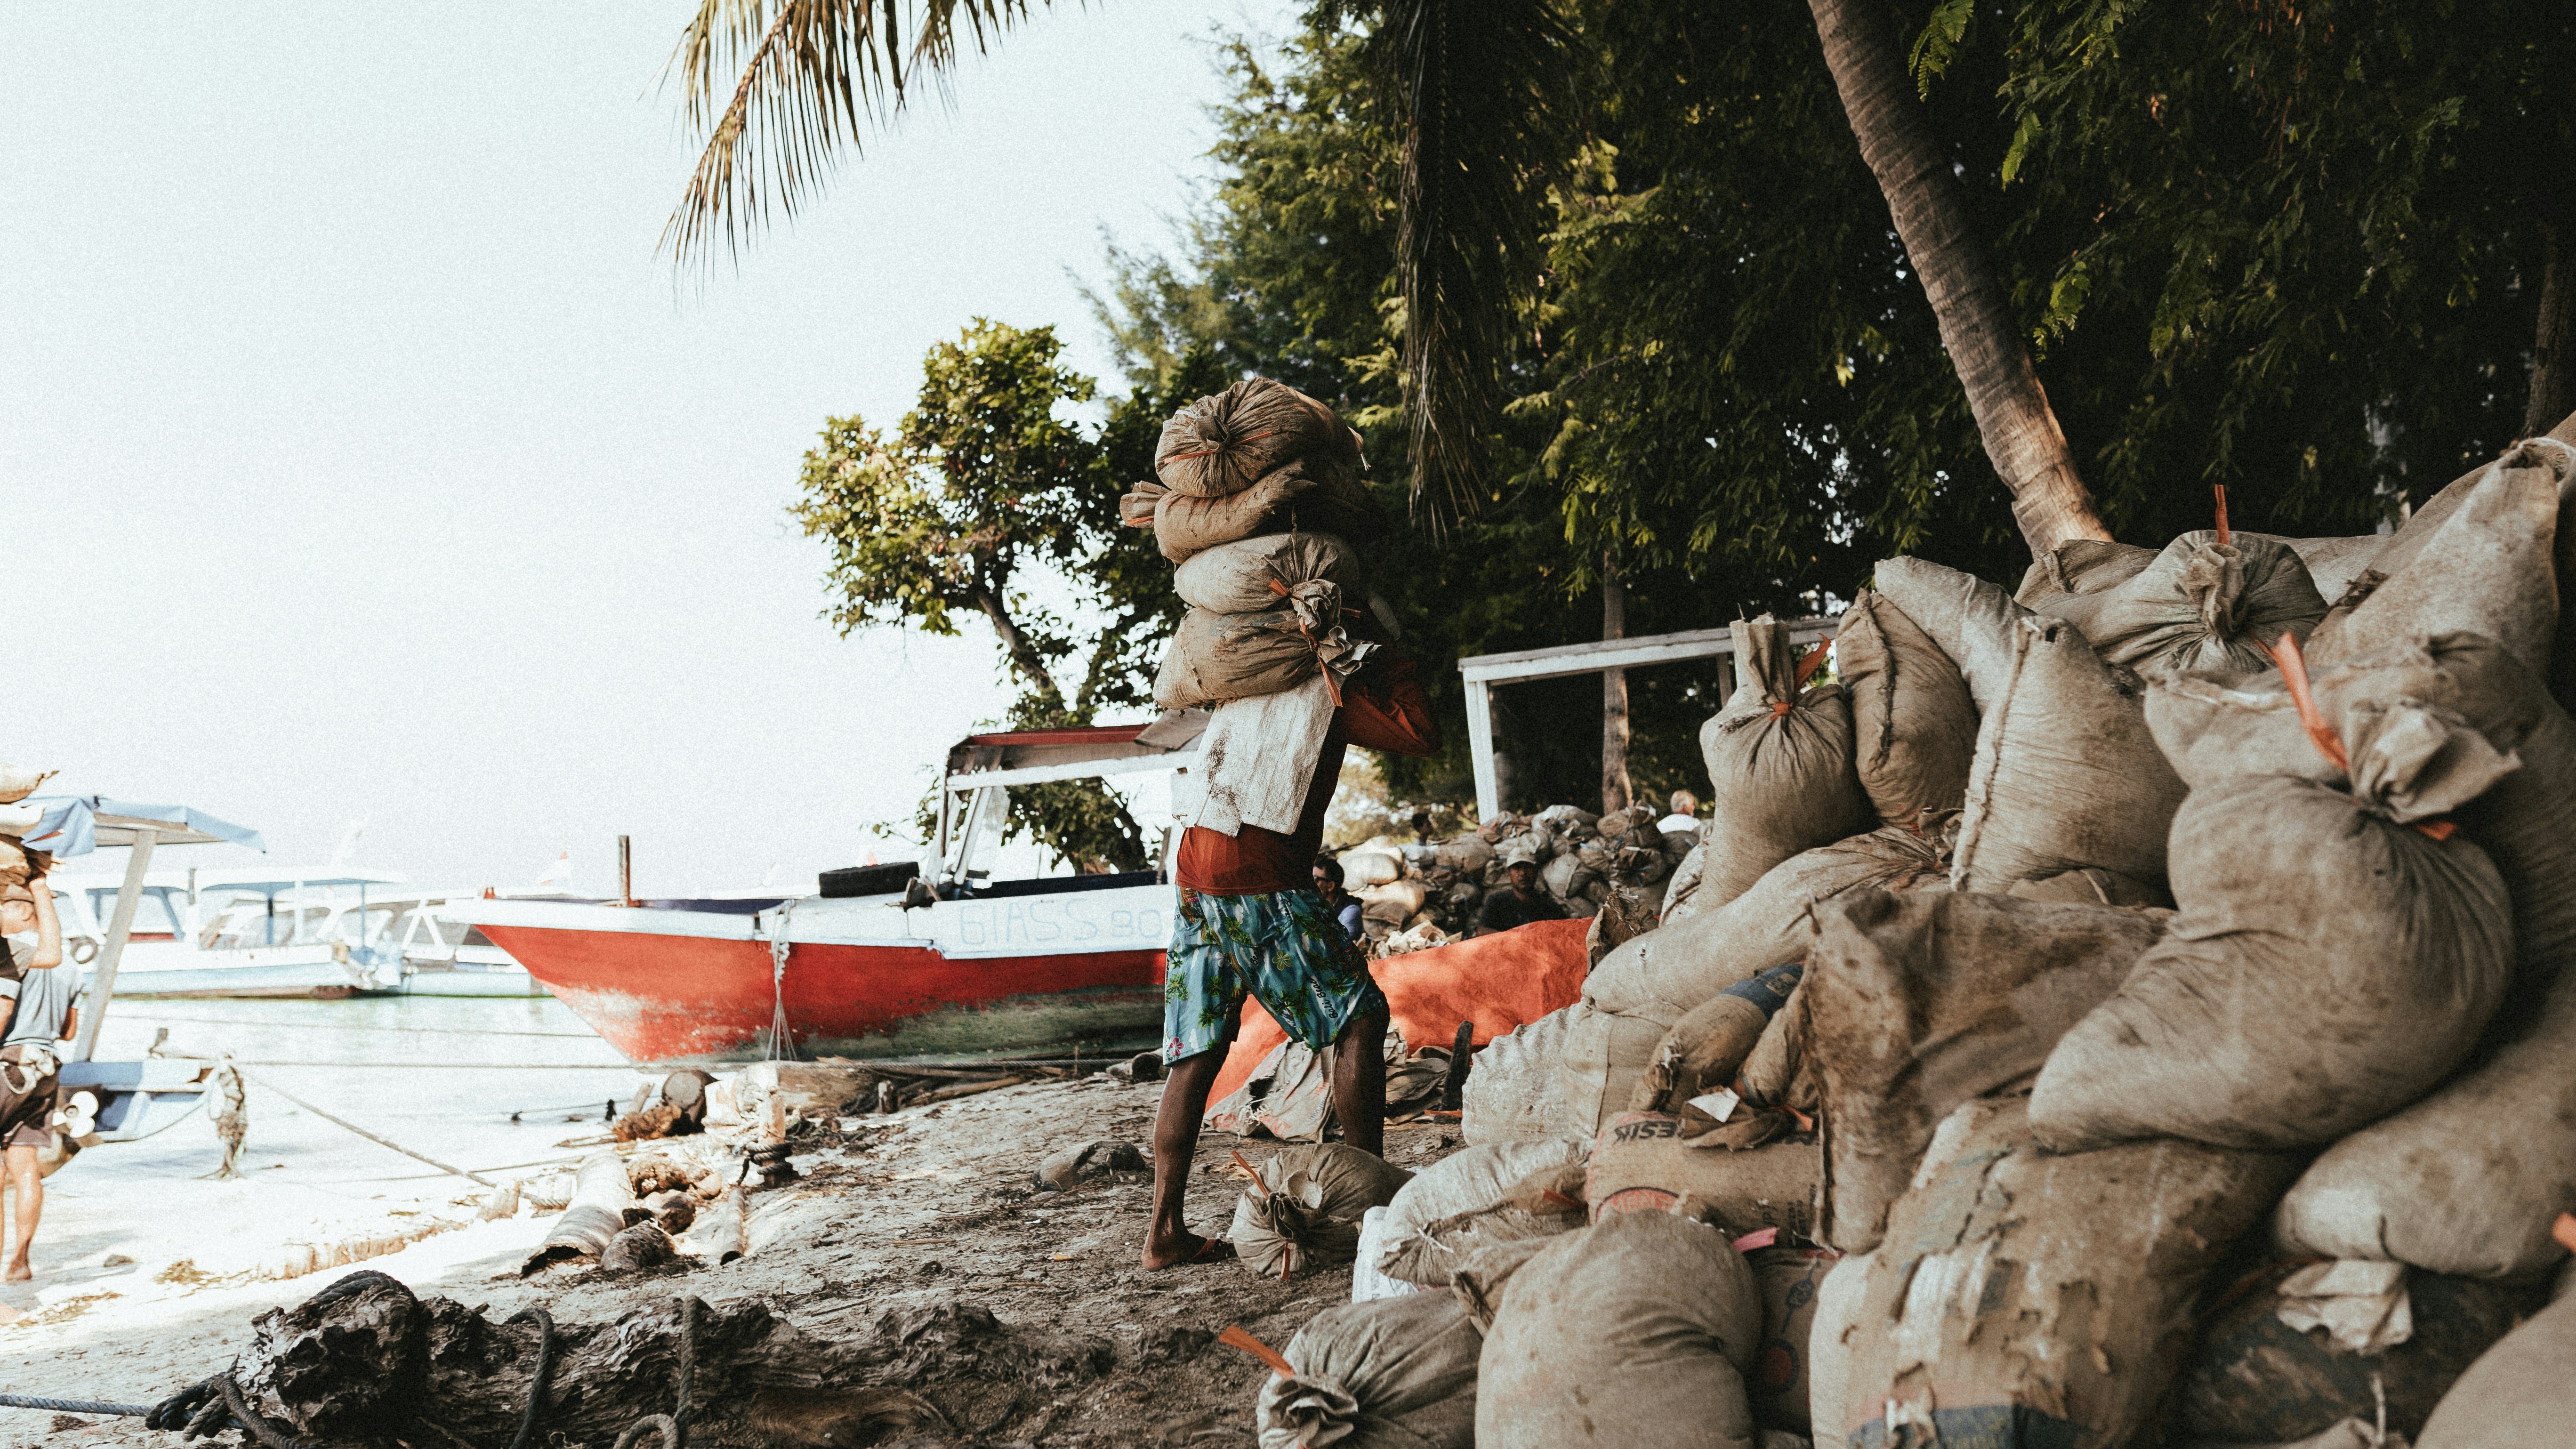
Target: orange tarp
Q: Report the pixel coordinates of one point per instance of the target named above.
(1498, 982)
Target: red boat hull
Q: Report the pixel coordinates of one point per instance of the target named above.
(679, 999)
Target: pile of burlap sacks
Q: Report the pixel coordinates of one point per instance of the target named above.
(1258, 504)
(2131, 1011)
(1615, 869)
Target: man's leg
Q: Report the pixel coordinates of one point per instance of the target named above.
(1359, 1082)
(29, 1185)
(1176, 1144)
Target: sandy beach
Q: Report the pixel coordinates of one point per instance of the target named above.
(931, 1205)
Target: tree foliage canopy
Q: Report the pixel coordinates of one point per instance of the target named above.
(2295, 250)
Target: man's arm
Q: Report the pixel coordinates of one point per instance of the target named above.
(1388, 712)
(49, 928)
(71, 1025)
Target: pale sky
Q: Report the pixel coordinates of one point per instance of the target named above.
(359, 460)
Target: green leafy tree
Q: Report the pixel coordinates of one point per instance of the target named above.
(980, 486)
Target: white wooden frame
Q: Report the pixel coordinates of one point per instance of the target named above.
(1484, 671)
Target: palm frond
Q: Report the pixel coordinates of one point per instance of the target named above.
(1485, 98)
(806, 75)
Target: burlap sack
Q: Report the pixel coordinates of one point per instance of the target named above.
(1780, 1071)
(2029, 1298)
(2331, 962)
(1222, 443)
(2487, 569)
(2078, 567)
(1830, 1341)
(1914, 726)
(1641, 991)
(1239, 577)
(2519, 1395)
(1684, 963)
(1305, 1210)
(1917, 1003)
(2394, 1186)
(1395, 902)
(1396, 1373)
(1636, 1333)
(1294, 498)
(2066, 775)
(1478, 1283)
(2391, 1187)
(1641, 1163)
(1706, 1050)
(1682, 899)
(1779, 760)
(17, 782)
(1217, 657)
(2254, 1379)
(1781, 1381)
(2333, 563)
(2201, 604)
(1515, 1089)
(1456, 1206)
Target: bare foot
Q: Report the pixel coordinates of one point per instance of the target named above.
(19, 1272)
(1182, 1249)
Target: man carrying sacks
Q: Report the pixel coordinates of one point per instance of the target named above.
(1251, 923)
(1266, 649)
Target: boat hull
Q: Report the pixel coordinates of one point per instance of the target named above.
(323, 982)
(687, 998)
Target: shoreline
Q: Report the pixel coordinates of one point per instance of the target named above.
(930, 1205)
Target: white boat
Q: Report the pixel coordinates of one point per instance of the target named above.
(443, 956)
(242, 932)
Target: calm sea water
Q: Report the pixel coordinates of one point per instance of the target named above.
(439, 1076)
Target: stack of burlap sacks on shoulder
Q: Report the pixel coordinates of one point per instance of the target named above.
(1258, 503)
(1612, 868)
(2132, 1011)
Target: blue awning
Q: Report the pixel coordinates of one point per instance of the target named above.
(79, 824)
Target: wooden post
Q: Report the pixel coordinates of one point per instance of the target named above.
(120, 924)
(625, 871)
(1615, 790)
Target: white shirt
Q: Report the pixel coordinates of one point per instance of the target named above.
(1682, 824)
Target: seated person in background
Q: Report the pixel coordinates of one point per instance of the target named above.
(1328, 884)
(41, 1013)
(1519, 903)
(1685, 817)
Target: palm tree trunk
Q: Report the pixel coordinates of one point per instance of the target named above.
(1930, 207)
(1615, 790)
(2553, 343)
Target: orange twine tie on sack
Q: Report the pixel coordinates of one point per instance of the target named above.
(2294, 673)
(1235, 1336)
(1332, 684)
(2223, 535)
(1806, 670)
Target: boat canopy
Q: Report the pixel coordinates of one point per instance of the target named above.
(79, 824)
(1036, 756)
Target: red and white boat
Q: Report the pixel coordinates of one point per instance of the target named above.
(894, 961)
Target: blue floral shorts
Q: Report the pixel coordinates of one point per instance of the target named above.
(1282, 947)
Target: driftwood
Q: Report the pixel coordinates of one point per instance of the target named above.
(596, 1215)
(374, 1365)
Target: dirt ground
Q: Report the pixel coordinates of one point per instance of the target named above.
(916, 1214)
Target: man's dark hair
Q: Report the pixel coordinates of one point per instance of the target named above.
(1331, 868)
